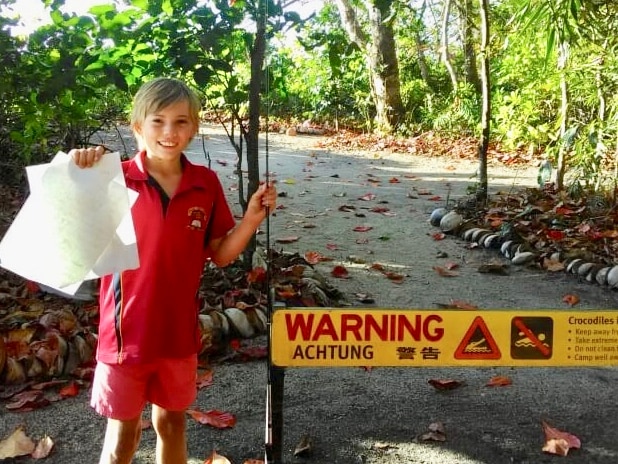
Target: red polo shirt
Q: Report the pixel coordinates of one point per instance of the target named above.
(151, 312)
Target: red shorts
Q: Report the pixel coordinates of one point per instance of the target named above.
(120, 391)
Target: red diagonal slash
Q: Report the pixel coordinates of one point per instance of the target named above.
(528, 333)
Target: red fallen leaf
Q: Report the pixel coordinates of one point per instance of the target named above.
(377, 267)
(564, 211)
(214, 418)
(555, 235)
(444, 384)
(435, 198)
(397, 278)
(367, 197)
(442, 272)
(499, 381)
(215, 458)
(290, 239)
(450, 266)
(393, 180)
(32, 287)
(145, 424)
(461, 304)
(72, 389)
(43, 448)
(27, 401)
(362, 228)
(234, 344)
(48, 384)
(315, 257)
(257, 274)
(379, 209)
(253, 352)
(438, 235)
(205, 379)
(570, 299)
(331, 246)
(340, 272)
(557, 441)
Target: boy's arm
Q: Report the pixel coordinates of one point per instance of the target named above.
(226, 249)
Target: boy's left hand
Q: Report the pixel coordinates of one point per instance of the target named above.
(264, 200)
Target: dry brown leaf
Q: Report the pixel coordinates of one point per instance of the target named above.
(499, 381)
(304, 446)
(216, 458)
(442, 272)
(16, 444)
(557, 441)
(43, 448)
(552, 265)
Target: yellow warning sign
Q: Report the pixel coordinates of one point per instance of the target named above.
(315, 337)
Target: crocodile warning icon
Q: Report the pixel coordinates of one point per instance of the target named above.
(478, 343)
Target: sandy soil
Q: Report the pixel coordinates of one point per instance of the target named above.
(354, 415)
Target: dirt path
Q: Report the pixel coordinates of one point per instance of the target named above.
(358, 416)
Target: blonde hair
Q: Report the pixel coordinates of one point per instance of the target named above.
(159, 93)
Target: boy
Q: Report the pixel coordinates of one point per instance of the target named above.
(148, 331)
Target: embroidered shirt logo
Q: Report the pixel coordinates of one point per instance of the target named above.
(197, 218)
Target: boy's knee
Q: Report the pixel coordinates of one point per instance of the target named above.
(169, 424)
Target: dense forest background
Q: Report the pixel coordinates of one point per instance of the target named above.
(540, 74)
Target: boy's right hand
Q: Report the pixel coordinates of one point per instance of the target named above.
(86, 157)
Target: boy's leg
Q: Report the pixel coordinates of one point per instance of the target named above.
(121, 441)
(171, 441)
(171, 391)
(119, 393)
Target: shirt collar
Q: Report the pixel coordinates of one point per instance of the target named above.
(191, 177)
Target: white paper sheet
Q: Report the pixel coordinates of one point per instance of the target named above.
(76, 224)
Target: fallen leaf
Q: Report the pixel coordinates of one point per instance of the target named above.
(557, 441)
(205, 379)
(216, 458)
(435, 198)
(496, 269)
(340, 272)
(332, 246)
(571, 299)
(438, 235)
(214, 418)
(397, 278)
(367, 197)
(552, 265)
(499, 381)
(315, 257)
(70, 390)
(304, 446)
(442, 272)
(257, 274)
(362, 228)
(444, 384)
(43, 448)
(16, 444)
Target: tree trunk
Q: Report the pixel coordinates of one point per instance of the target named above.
(467, 37)
(258, 52)
(486, 111)
(380, 55)
(444, 55)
